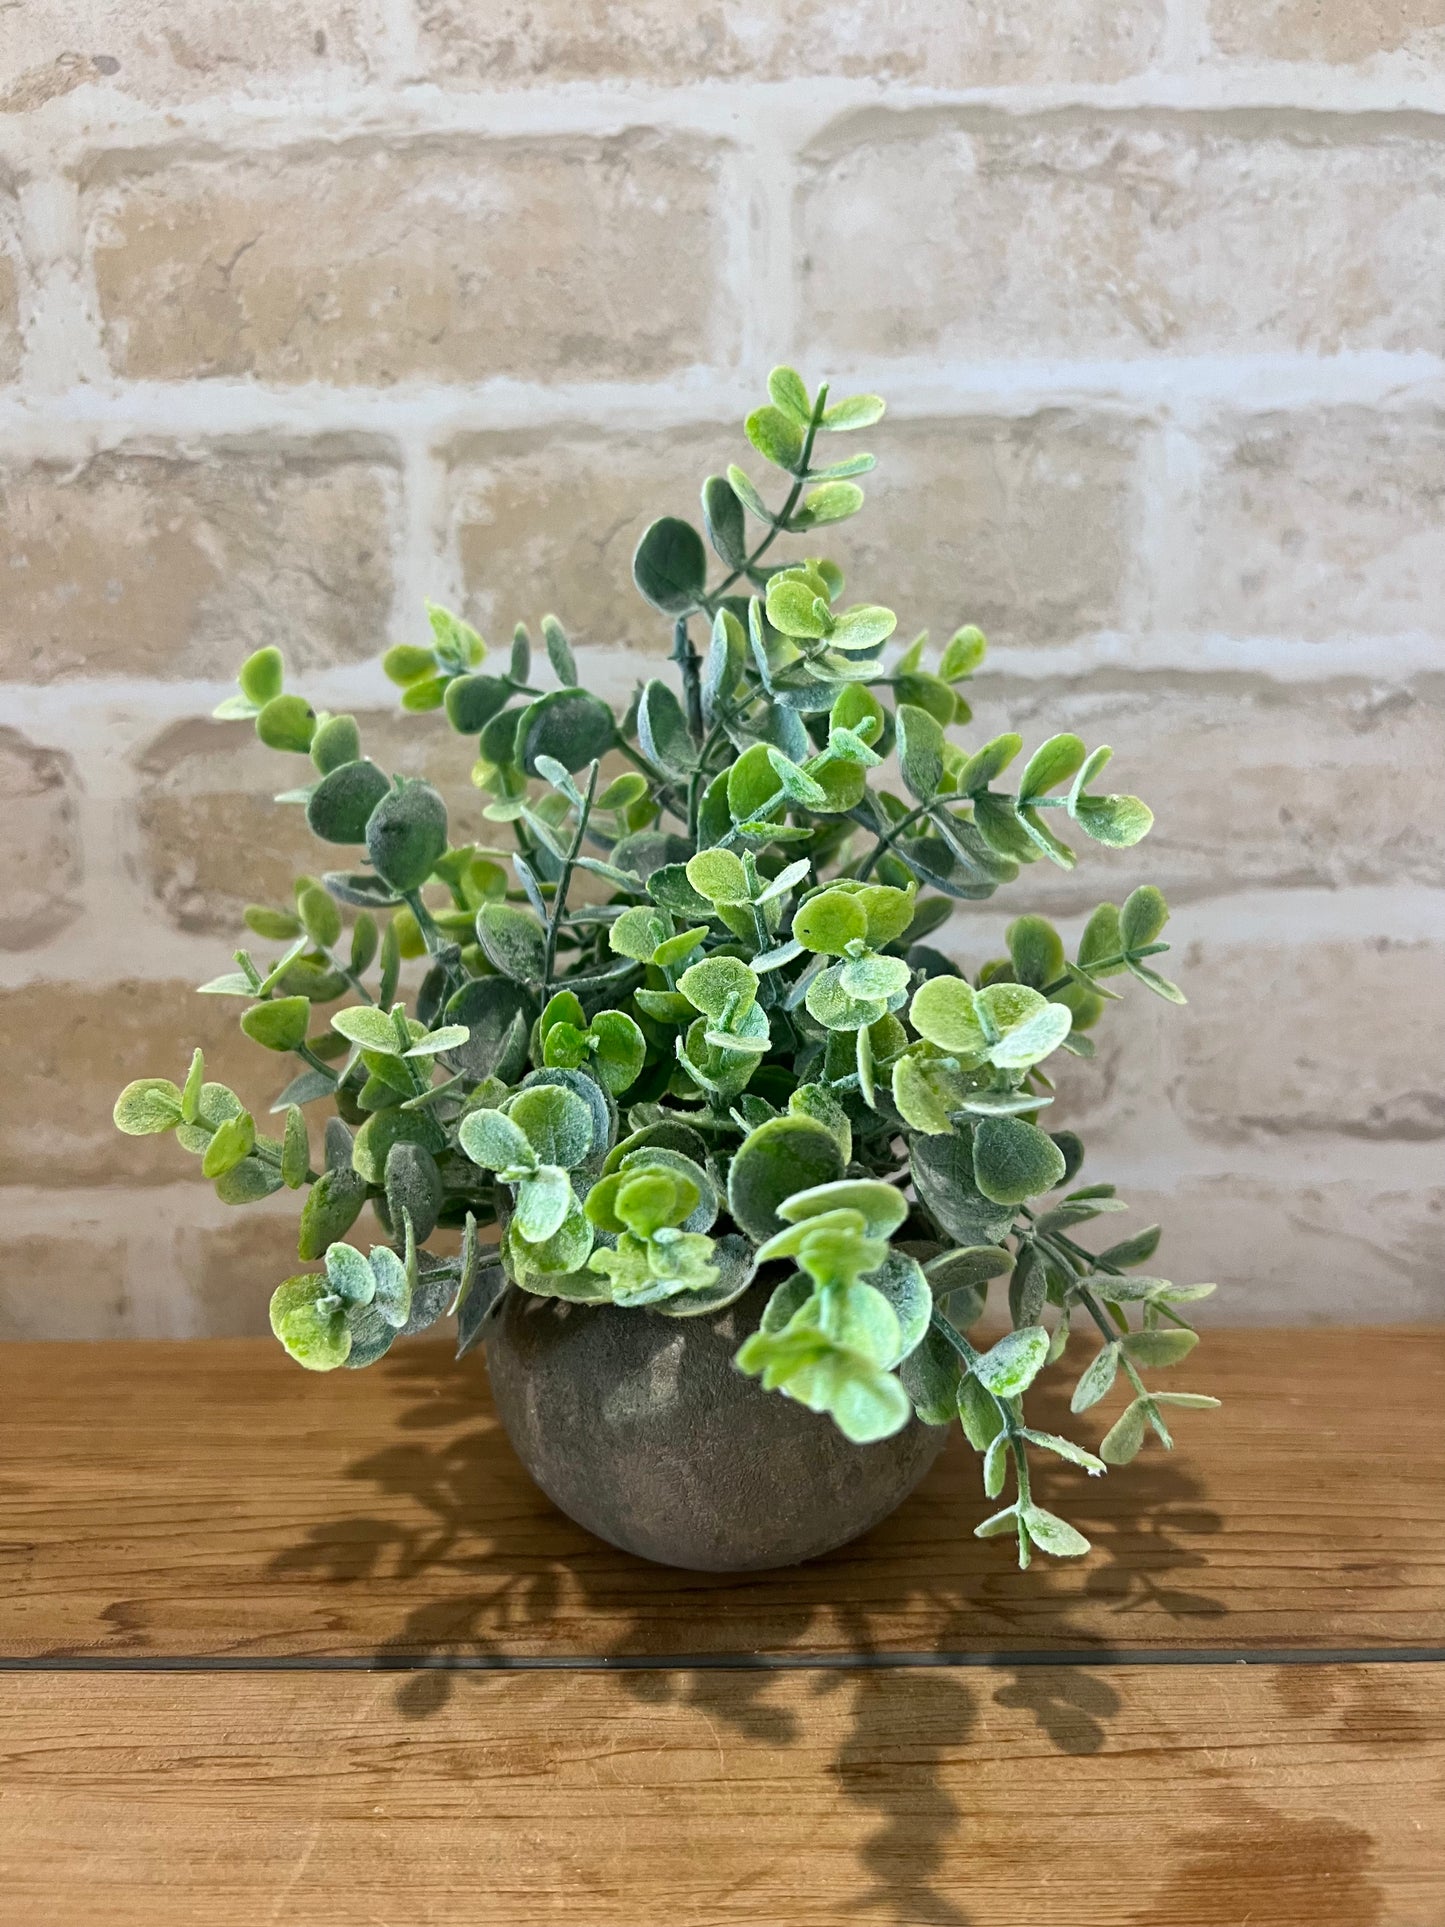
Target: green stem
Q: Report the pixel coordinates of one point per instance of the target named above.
(559, 895)
(1104, 963)
(780, 520)
(689, 663)
(885, 843)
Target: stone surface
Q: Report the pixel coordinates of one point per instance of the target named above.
(1321, 526)
(548, 523)
(225, 1274)
(1340, 32)
(40, 857)
(70, 1048)
(11, 342)
(966, 233)
(1253, 784)
(545, 257)
(1289, 1249)
(1329, 1039)
(1024, 526)
(210, 838)
(535, 42)
(642, 1430)
(69, 1283)
(170, 50)
(167, 565)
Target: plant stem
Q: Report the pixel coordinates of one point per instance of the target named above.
(559, 895)
(780, 519)
(689, 663)
(885, 843)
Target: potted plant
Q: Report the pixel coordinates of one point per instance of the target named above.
(734, 1152)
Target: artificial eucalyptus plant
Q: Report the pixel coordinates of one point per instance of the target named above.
(687, 1022)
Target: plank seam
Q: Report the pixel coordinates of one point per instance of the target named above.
(719, 1662)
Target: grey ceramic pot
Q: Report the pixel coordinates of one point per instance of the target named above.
(642, 1430)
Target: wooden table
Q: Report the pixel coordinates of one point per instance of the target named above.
(279, 1648)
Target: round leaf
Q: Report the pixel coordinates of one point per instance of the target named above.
(1013, 1160)
(280, 1024)
(782, 1157)
(406, 833)
(670, 566)
(315, 1337)
(287, 722)
(147, 1107)
(570, 726)
(830, 921)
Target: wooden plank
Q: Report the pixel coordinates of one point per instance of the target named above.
(1200, 1797)
(209, 1498)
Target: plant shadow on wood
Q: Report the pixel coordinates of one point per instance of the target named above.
(504, 1575)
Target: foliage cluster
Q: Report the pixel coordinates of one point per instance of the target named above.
(681, 1022)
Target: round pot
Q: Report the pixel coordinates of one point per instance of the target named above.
(641, 1429)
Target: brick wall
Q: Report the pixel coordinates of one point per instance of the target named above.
(308, 310)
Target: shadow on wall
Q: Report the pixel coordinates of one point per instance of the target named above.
(505, 1577)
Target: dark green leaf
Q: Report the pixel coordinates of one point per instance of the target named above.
(406, 833)
(1014, 1160)
(670, 566)
(722, 515)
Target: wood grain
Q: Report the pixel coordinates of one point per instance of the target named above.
(1206, 1797)
(209, 1498)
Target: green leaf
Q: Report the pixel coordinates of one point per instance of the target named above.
(287, 722)
(332, 1206)
(261, 677)
(1158, 1349)
(776, 1161)
(557, 1122)
(1161, 986)
(883, 1207)
(234, 1140)
(406, 833)
(1137, 1250)
(718, 984)
(449, 1038)
(979, 1414)
(544, 1199)
(796, 609)
(320, 915)
(619, 1050)
(1008, 1368)
(776, 437)
(248, 1182)
(662, 730)
(830, 921)
(921, 746)
(513, 939)
(1126, 1435)
(862, 627)
(280, 1024)
(571, 726)
(308, 1319)
(1065, 1449)
(295, 1149)
(722, 515)
(1054, 762)
(855, 411)
(1119, 822)
(1052, 1534)
(559, 652)
(336, 742)
(1142, 918)
(1013, 1160)
(147, 1107)
(413, 1188)
(788, 391)
(640, 932)
(670, 566)
(370, 1027)
(748, 495)
(718, 876)
(1097, 1380)
(493, 1141)
(944, 1011)
(829, 502)
(472, 701)
(963, 653)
